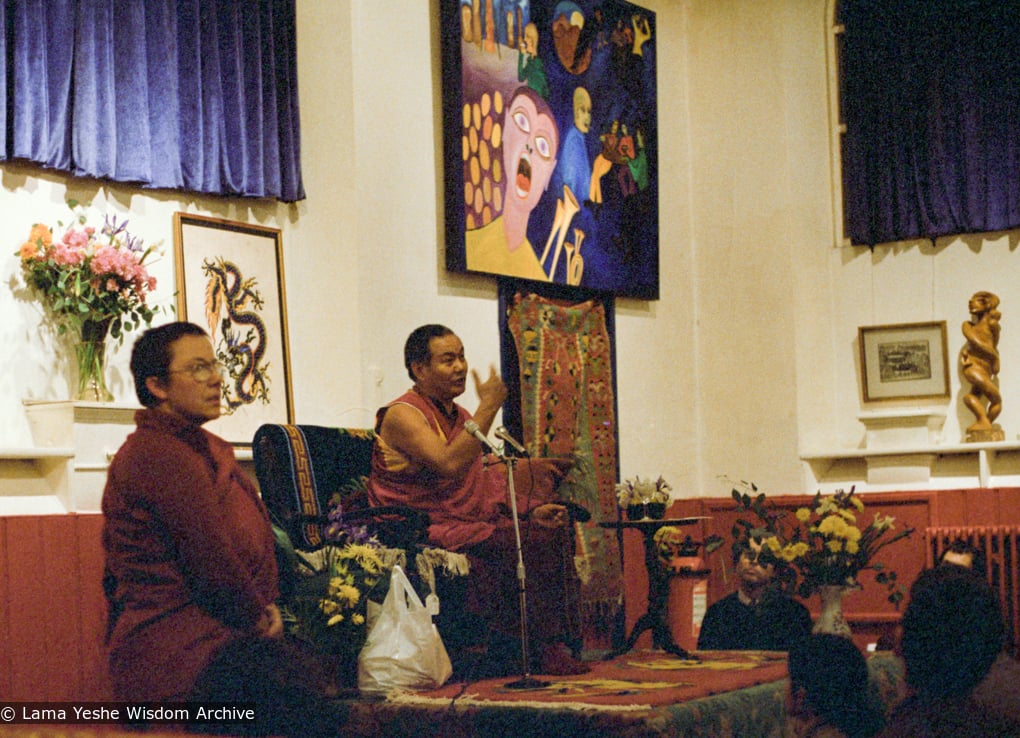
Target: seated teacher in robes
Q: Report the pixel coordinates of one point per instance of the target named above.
(424, 458)
(190, 558)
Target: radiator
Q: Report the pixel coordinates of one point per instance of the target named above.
(1001, 547)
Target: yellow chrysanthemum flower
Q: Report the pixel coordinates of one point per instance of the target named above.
(348, 595)
(357, 618)
(803, 514)
(328, 606)
(339, 618)
(858, 503)
(852, 547)
(835, 546)
(831, 525)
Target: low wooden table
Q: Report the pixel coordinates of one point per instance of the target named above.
(654, 618)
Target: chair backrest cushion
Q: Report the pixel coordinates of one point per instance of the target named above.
(299, 469)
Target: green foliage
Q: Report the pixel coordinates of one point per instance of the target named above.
(818, 545)
(89, 278)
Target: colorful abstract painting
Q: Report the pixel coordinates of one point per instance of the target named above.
(550, 139)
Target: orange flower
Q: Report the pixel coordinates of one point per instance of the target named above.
(28, 250)
(41, 234)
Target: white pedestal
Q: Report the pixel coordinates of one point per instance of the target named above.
(50, 422)
(902, 428)
(90, 433)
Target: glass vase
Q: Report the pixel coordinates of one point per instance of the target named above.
(90, 353)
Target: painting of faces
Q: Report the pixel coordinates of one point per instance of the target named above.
(550, 142)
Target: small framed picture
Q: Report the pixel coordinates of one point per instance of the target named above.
(230, 282)
(906, 361)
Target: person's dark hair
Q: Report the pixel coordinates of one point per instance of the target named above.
(953, 630)
(739, 547)
(416, 347)
(961, 546)
(743, 545)
(151, 355)
(834, 676)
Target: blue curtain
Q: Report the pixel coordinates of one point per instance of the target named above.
(931, 101)
(196, 95)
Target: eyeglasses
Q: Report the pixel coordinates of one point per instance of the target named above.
(202, 371)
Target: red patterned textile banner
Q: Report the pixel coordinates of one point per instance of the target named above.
(567, 409)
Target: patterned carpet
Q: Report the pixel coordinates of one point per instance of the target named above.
(642, 693)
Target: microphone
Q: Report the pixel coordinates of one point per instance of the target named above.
(502, 434)
(472, 428)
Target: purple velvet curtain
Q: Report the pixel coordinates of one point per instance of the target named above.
(196, 95)
(931, 101)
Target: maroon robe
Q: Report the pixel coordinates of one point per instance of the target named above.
(190, 558)
(472, 514)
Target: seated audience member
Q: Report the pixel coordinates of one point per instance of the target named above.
(190, 554)
(758, 616)
(999, 691)
(952, 633)
(828, 695)
(962, 553)
(425, 458)
(959, 552)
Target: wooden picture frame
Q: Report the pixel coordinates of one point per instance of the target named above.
(230, 282)
(904, 361)
(550, 140)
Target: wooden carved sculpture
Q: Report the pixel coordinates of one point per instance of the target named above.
(979, 362)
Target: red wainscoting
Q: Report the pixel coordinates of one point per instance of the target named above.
(870, 614)
(52, 610)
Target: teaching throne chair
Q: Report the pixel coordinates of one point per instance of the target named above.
(303, 470)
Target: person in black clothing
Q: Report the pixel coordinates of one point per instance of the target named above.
(758, 616)
(953, 632)
(828, 693)
(962, 553)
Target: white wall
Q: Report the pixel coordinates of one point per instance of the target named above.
(749, 356)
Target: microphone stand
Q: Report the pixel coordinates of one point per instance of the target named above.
(526, 681)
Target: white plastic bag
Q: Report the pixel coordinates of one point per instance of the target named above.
(403, 648)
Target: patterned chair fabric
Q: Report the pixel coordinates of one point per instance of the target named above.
(301, 468)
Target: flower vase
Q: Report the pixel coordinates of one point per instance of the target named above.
(655, 510)
(90, 353)
(831, 619)
(636, 512)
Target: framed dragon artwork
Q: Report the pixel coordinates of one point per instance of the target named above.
(230, 282)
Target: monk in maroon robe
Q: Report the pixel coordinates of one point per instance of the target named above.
(425, 458)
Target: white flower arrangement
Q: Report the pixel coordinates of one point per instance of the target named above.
(638, 491)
